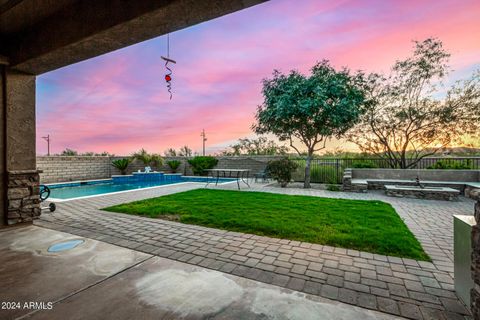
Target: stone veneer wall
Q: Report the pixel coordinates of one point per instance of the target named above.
(63, 169)
(475, 293)
(23, 196)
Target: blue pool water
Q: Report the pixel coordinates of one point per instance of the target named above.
(97, 187)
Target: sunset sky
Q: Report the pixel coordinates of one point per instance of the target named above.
(118, 102)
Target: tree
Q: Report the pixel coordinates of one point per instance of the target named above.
(185, 151)
(96, 154)
(105, 154)
(408, 120)
(170, 152)
(258, 146)
(69, 152)
(470, 141)
(311, 109)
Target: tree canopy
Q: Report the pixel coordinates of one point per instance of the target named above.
(71, 152)
(311, 109)
(255, 146)
(409, 119)
(148, 159)
(185, 151)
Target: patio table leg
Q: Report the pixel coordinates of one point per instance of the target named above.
(238, 179)
(243, 176)
(208, 178)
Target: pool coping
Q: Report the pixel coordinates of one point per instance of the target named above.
(57, 200)
(74, 181)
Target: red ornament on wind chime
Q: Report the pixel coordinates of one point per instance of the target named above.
(168, 75)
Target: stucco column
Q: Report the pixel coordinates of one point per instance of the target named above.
(3, 168)
(475, 293)
(19, 198)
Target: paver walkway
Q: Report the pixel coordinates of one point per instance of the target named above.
(412, 289)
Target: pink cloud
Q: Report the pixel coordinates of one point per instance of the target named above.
(118, 102)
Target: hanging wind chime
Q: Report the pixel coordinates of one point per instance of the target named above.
(168, 74)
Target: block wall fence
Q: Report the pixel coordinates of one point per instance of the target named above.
(74, 168)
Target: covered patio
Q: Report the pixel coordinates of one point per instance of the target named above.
(124, 263)
(38, 37)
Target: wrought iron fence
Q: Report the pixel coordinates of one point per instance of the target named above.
(330, 170)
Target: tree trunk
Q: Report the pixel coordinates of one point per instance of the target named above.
(306, 184)
(403, 161)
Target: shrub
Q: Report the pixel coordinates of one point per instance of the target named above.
(174, 164)
(455, 164)
(148, 159)
(156, 160)
(323, 173)
(364, 164)
(201, 163)
(333, 187)
(282, 170)
(122, 165)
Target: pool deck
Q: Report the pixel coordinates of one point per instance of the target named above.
(404, 287)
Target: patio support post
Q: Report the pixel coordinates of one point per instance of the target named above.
(19, 190)
(3, 169)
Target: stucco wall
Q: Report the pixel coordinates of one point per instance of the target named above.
(423, 174)
(475, 292)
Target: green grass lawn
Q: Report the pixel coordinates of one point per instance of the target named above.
(371, 226)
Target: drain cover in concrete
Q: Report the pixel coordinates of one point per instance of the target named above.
(66, 245)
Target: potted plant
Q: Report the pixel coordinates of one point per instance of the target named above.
(122, 165)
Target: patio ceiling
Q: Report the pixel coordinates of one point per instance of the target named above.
(38, 36)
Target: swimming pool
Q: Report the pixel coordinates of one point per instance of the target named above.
(72, 190)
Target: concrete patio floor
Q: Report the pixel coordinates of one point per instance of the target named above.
(96, 280)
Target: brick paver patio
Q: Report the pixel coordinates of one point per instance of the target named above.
(412, 289)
